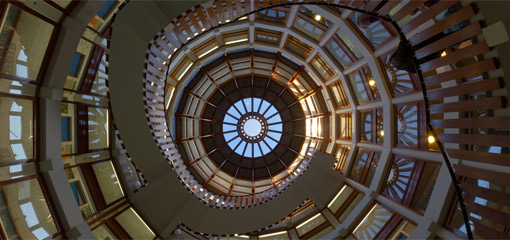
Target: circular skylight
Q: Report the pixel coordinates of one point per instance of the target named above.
(252, 127)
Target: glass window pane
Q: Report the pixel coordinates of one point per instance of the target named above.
(372, 223)
(349, 44)
(338, 53)
(62, 3)
(308, 28)
(103, 232)
(375, 33)
(109, 183)
(310, 224)
(358, 87)
(27, 39)
(340, 198)
(26, 210)
(272, 15)
(100, 83)
(134, 225)
(17, 117)
(359, 164)
(106, 8)
(366, 126)
(16, 87)
(98, 128)
(339, 95)
(17, 171)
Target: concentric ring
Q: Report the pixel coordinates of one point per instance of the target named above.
(252, 143)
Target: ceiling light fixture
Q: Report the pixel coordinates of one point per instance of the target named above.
(365, 218)
(184, 72)
(237, 41)
(431, 139)
(212, 49)
(245, 17)
(272, 234)
(371, 82)
(309, 220)
(317, 17)
(334, 199)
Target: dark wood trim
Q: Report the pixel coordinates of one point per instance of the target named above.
(117, 229)
(316, 230)
(93, 185)
(53, 4)
(19, 79)
(17, 162)
(388, 227)
(91, 70)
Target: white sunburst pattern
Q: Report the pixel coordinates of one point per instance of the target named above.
(372, 223)
(252, 127)
(407, 125)
(399, 80)
(399, 178)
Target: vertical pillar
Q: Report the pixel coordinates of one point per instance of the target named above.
(52, 167)
(51, 164)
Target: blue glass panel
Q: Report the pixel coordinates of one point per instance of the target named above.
(65, 129)
(75, 64)
(106, 7)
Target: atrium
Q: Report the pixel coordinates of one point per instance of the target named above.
(254, 119)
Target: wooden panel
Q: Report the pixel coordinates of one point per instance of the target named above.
(442, 25)
(247, 7)
(453, 57)
(489, 194)
(489, 213)
(165, 46)
(155, 80)
(117, 229)
(388, 7)
(469, 71)
(357, 3)
(219, 10)
(230, 10)
(172, 39)
(430, 13)
(156, 62)
(495, 177)
(185, 25)
(154, 97)
(158, 127)
(155, 71)
(203, 18)
(451, 39)
(212, 16)
(154, 89)
(194, 22)
(476, 139)
(370, 6)
(179, 34)
(407, 10)
(155, 112)
(487, 122)
(466, 88)
(153, 104)
(487, 232)
(469, 105)
(238, 8)
(91, 70)
(158, 52)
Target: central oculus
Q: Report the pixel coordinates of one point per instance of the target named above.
(252, 127)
